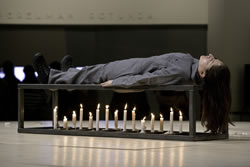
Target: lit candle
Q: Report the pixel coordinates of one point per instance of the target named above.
(55, 118)
(133, 119)
(125, 118)
(180, 122)
(90, 121)
(97, 117)
(152, 122)
(81, 116)
(171, 120)
(107, 117)
(143, 127)
(161, 123)
(74, 119)
(65, 123)
(116, 119)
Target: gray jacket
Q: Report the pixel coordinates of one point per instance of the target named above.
(166, 69)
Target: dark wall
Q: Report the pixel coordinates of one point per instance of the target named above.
(99, 44)
(20, 43)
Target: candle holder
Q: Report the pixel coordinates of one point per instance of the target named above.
(142, 131)
(169, 133)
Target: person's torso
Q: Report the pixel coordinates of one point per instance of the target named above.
(138, 66)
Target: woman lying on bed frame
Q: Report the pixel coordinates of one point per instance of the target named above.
(166, 69)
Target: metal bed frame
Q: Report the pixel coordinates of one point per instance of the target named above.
(192, 135)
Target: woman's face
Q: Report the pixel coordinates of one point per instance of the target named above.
(206, 62)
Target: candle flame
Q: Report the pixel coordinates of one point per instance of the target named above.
(116, 111)
(180, 113)
(107, 106)
(171, 109)
(55, 108)
(152, 115)
(74, 112)
(65, 118)
(161, 116)
(98, 106)
(144, 118)
(81, 105)
(126, 105)
(90, 114)
(134, 108)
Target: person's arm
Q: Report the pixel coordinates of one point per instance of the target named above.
(161, 77)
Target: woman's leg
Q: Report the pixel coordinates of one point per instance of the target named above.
(87, 75)
(101, 72)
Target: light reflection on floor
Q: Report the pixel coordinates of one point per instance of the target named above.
(18, 149)
(76, 151)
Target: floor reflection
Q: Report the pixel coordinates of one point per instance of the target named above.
(107, 152)
(22, 150)
(181, 153)
(172, 157)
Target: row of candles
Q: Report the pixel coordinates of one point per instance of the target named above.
(143, 121)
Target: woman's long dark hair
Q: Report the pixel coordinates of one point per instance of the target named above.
(216, 99)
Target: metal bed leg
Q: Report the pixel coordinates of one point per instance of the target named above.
(192, 115)
(227, 131)
(20, 108)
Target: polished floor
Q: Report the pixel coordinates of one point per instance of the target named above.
(36, 150)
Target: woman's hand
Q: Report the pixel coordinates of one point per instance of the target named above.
(107, 83)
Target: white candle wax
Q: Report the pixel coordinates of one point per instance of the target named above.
(97, 117)
(143, 127)
(152, 122)
(55, 116)
(171, 120)
(133, 119)
(74, 119)
(116, 119)
(90, 121)
(125, 118)
(161, 123)
(180, 122)
(81, 116)
(65, 122)
(107, 117)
